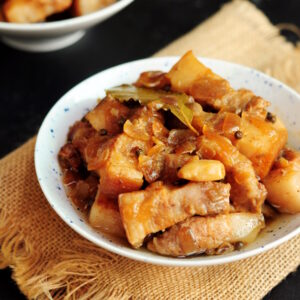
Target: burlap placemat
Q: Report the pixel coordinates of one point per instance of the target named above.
(49, 260)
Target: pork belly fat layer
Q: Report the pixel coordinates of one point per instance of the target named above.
(200, 234)
(161, 206)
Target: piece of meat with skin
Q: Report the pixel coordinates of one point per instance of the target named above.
(247, 193)
(152, 166)
(117, 165)
(86, 140)
(108, 116)
(190, 76)
(31, 11)
(179, 136)
(84, 7)
(161, 206)
(182, 140)
(153, 79)
(69, 157)
(81, 191)
(172, 163)
(259, 140)
(118, 160)
(257, 106)
(79, 134)
(198, 235)
(146, 123)
(105, 215)
(239, 100)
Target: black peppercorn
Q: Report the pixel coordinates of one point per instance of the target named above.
(270, 117)
(121, 121)
(238, 135)
(238, 245)
(103, 131)
(137, 151)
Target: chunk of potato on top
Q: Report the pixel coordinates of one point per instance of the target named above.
(283, 184)
(105, 215)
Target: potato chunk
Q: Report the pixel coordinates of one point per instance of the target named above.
(283, 185)
(105, 215)
(30, 11)
(202, 170)
(160, 206)
(198, 235)
(108, 115)
(261, 142)
(84, 7)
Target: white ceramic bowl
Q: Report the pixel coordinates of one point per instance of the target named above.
(49, 36)
(74, 105)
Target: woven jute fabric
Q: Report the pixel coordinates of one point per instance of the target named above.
(50, 261)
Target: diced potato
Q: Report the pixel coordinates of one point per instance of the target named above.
(24, 11)
(190, 76)
(198, 235)
(84, 7)
(105, 215)
(283, 186)
(261, 142)
(202, 170)
(108, 115)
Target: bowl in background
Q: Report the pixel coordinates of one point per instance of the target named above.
(49, 36)
(83, 97)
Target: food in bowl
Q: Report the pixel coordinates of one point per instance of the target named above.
(180, 162)
(32, 11)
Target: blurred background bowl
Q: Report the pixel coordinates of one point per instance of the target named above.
(49, 36)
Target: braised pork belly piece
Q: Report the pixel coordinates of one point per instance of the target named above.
(107, 116)
(160, 206)
(181, 163)
(247, 193)
(117, 165)
(210, 235)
